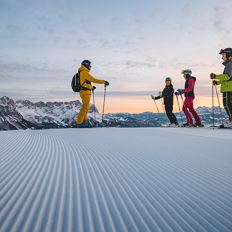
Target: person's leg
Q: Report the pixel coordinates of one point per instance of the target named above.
(169, 113)
(194, 113)
(171, 116)
(174, 119)
(82, 116)
(225, 95)
(228, 104)
(187, 103)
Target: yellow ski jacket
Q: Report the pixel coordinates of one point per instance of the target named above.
(85, 80)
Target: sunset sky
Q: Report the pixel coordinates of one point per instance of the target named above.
(133, 44)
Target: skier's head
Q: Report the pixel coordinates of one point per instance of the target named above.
(186, 73)
(226, 54)
(168, 80)
(87, 64)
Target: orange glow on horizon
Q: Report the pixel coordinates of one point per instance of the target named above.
(140, 104)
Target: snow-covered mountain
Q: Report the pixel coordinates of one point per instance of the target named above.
(49, 114)
(41, 115)
(10, 118)
(22, 114)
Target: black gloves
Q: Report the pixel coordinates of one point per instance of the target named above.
(212, 76)
(106, 83)
(215, 82)
(93, 88)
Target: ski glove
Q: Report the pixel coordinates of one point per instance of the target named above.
(107, 83)
(93, 88)
(212, 76)
(179, 92)
(215, 82)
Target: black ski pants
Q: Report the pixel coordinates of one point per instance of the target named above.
(170, 115)
(227, 102)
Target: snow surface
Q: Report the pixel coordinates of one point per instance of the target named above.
(110, 179)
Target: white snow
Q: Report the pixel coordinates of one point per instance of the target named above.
(111, 179)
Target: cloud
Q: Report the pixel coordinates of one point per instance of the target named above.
(219, 18)
(142, 64)
(13, 27)
(4, 6)
(46, 28)
(19, 67)
(8, 67)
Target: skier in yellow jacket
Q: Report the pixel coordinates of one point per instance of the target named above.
(85, 80)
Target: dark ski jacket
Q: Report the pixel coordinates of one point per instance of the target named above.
(189, 87)
(167, 94)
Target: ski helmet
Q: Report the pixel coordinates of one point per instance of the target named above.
(186, 71)
(168, 79)
(228, 51)
(86, 63)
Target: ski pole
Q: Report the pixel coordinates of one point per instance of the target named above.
(179, 109)
(213, 104)
(162, 102)
(94, 112)
(219, 105)
(182, 99)
(156, 106)
(104, 101)
(157, 109)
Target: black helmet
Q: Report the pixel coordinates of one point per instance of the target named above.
(86, 63)
(186, 72)
(227, 51)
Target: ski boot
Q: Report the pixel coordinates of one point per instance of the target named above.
(188, 125)
(198, 125)
(85, 125)
(173, 125)
(227, 125)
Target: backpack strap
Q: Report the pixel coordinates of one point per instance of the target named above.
(85, 82)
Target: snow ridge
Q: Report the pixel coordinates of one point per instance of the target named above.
(115, 180)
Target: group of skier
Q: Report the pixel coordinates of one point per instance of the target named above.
(225, 80)
(188, 92)
(84, 80)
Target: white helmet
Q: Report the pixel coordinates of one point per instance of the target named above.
(186, 71)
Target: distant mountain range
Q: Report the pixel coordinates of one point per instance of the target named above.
(24, 114)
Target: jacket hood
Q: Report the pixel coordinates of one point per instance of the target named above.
(83, 68)
(191, 77)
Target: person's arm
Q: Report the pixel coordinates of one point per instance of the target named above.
(90, 78)
(227, 76)
(190, 86)
(222, 77)
(157, 98)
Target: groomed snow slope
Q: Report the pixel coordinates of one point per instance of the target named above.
(116, 180)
